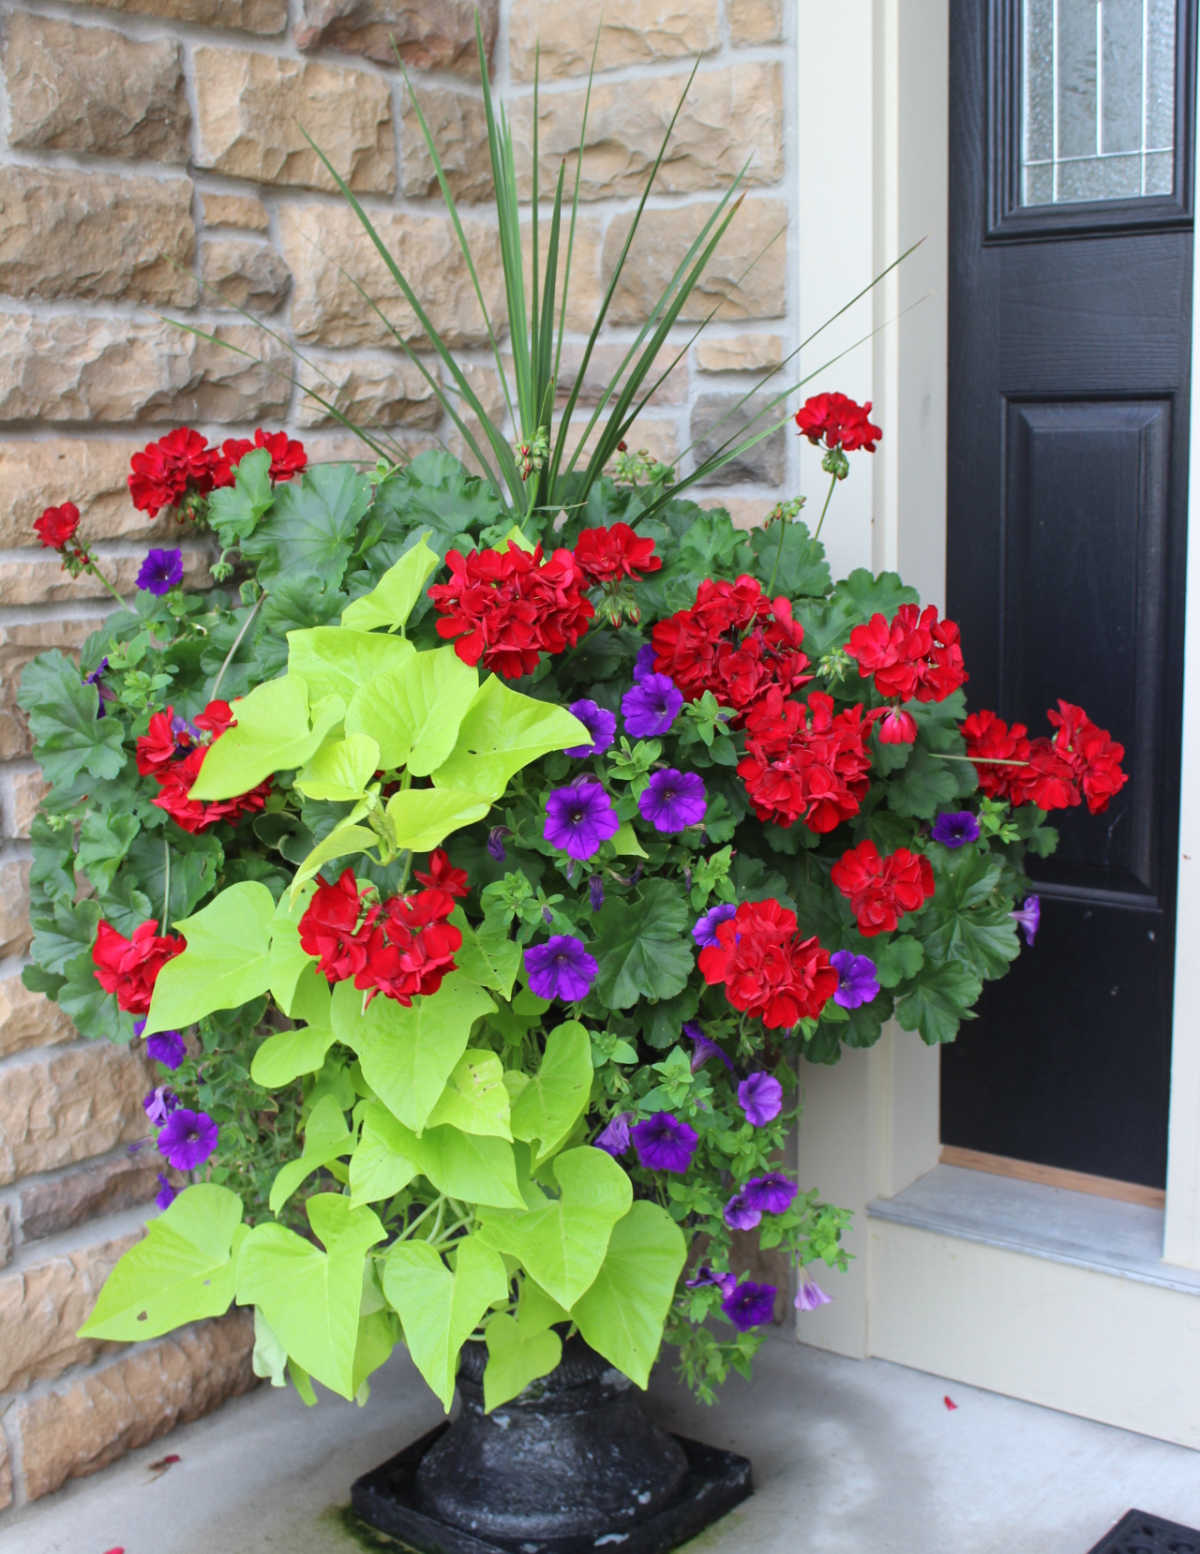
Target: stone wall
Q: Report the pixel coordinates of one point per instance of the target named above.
(154, 165)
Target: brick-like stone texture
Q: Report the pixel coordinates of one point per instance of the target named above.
(586, 291)
(243, 274)
(29, 1019)
(6, 1483)
(36, 473)
(604, 364)
(89, 89)
(18, 644)
(459, 129)
(428, 36)
(42, 1309)
(60, 1202)
(655, 435)
(42, 580)
(729, 115)
(755, 21)
(718, 417)
(14, 905)
(261, 16)
(738, 353)
(324, 246)
(252, 111)
(6, 1234)
(68, 1107)
(244, 211)
(632, 32)
(26, 792)
(96, 235)
(747, 274)
(82, 1427)
(118, 369)
(370, 391)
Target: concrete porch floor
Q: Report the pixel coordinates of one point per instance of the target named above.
(849, 1458)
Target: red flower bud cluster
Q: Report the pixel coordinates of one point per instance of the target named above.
(172, 751)
(914, 655)
(182, 464)
(882, 889)
(129, 967)
(1081, 762)
(510, 607)
(400, 947)
(56, 525)
(767, 969)
(803, 761)
(837, 421)
(734, 642)
(607, 555)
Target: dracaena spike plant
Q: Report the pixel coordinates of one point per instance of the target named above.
(481, 866)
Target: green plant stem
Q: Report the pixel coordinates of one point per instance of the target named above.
(783, 523)
(978, 760)
(825, 509)
(93, 570)
(237, 642)
(424, 1214)
(166, 918)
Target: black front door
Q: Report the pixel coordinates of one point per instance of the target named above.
(1070, 340)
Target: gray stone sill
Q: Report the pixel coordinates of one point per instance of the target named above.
(1122, 1239)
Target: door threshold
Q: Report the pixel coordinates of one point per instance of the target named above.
(1053, 1176)
(1060, 1224)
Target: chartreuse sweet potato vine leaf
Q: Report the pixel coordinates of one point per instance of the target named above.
(312, 1299)
(383, 1163)
(476, 1168)
(274, 731)
(391, 601)
(440, 1309)
(422, 818)
(475, 1099)
(181, 1271)
(283, 1057)
(502, 732)
(337, 661)
(326, 1138)
(562, 1241)
(226, 962)
(549, 1106)
(415, 711)
(515, 1358)
(341, 769)
(623, 1312)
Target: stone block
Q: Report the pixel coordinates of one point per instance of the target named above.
(61, 1202)
(459, 129)
(746, 512)
(18, 644)
(632, 32)
(42, 1309)
(374, 392)
(745, 278)
(6, 1234)
(654, 435)
(89, 89)
(738, 353)
(755, 21)
(718, 417)
(6, 1483)
(586, 291)
(69, 1107)
(96, 235)
(82, 1427)
(14, 906)
(36, 473)
(26, 791)
(429, 37)
(42, 580)
(120, 369)
(252, 109)
(29, 1019)
(243, 274)
(260, 16)
(325, 245)
(729, 115)
(236, 210)
(604, 365)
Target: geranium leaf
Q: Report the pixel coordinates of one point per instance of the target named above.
(553, 1100)
(792, 562)
(73, 745)
(312, 525)
(501, 733)
(623, 1312)
(226, 962)
(938, 1002)
(828, 622)
(642, 947)
(896, 959)
(233, 511)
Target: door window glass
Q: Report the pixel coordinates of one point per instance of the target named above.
(1097, 100)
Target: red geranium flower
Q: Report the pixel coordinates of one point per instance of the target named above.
(991, 739)
(288, 457)
(882, 889)
(914, 655)
(165, 471)
(129, 967)
(411, 948)
(336, 926)
(894, 726)
(838, 421)
(442, 875)
(803, 761)
(605, 555)
(56, 525)
(767, 969)
(172, 753)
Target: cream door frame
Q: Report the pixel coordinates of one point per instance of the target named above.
(877, 184)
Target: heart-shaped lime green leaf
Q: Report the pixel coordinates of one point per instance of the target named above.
(273, 732)
(341, 769)
(226, 962)
(288, 963)
(470, 1166)
(422, 818)
(181, 1271)
(345, 839)
(282, 1058)
(623, 1313)
(502, 732)
(414, 712)
(385, 1159)
(475, 1099)
(515, 1358)
(336, 662)
(326, 1138)
(391, 601)
(553, 1100)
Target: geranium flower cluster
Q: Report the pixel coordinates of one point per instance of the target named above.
(1080, 762)
(767, 968)
(401, 947)
(181, 465)
(734, 642)
(881, 889)
(172, 751)
(129, 967)
(805, 762)
(913, 657)
(838, 422)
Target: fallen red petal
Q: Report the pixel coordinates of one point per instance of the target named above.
(164, 1462)
(949, 1402)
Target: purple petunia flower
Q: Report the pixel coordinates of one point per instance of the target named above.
(703, 1048)
(613, 1138)
(810, 1295)
(705, 931)
(650, 706)
(159, 1105)
(96, 678)
(761, 1098)
(495, 843)
(772, 1193)
(643, 664)
(705, 1275)
(166, 1194)
(857, 981)
(560, 968)
(673, 800)
(600, 724)
(166, 1048)
(161, 571)
(749, 1305)
(579, 818)
(181, 726)
(955, 828)
(741, 1214)
(1028, 917)
(596, 892)
(187, 1139)
(663, 1143)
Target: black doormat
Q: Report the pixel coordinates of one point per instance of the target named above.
(1140, 1533)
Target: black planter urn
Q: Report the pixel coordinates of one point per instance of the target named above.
(571, 1465)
